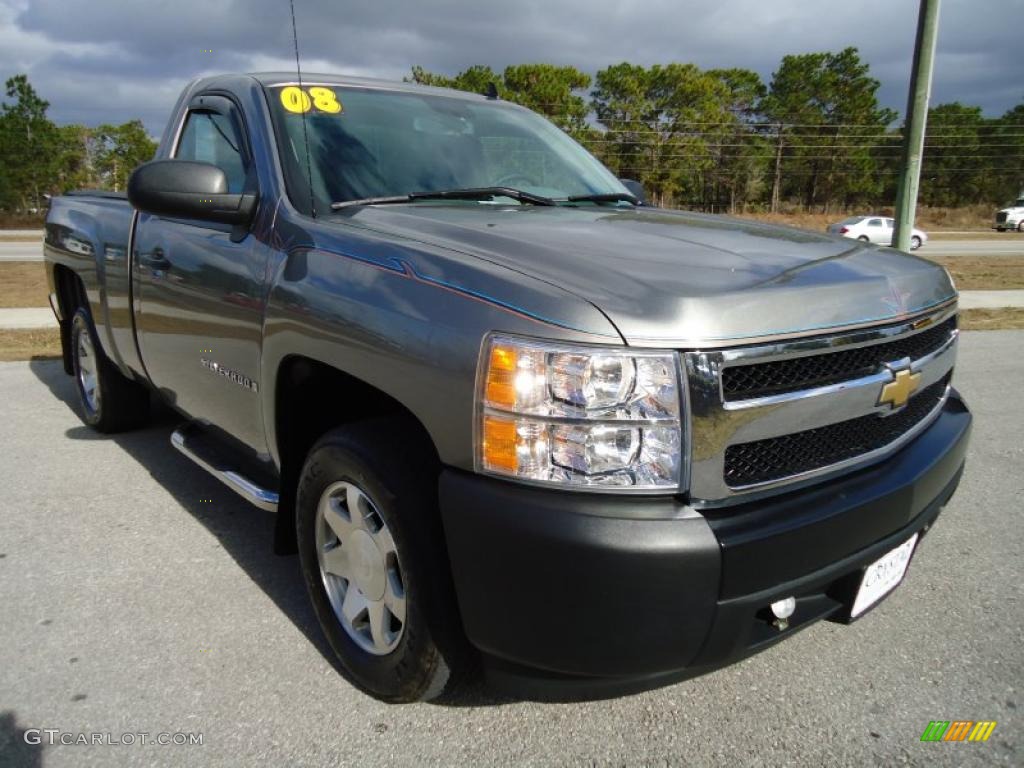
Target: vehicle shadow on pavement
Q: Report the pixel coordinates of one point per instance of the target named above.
(15, 751)
(245, 532)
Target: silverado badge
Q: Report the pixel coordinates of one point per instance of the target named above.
(898, 391)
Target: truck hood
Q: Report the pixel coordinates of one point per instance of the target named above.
(673, 278)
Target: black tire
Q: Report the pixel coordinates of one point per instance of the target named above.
(864, 239)
(915, 243)
(394, 470)
(1020, 226)
(116, 403)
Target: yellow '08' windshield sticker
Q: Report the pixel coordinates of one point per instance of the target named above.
(297, 100)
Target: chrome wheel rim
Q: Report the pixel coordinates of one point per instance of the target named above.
(87, 372)
(360, 569)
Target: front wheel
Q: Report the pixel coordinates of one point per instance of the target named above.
(374, 561)
(109, 401)
(1020, 226)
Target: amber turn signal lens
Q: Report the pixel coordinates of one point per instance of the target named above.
(501, 371)
(499, 444)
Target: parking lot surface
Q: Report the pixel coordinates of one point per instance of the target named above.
(140, 596)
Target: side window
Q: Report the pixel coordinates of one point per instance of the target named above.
(890, 224)
(875, 223)
(210, 137)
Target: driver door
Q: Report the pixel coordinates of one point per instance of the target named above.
(199, 303)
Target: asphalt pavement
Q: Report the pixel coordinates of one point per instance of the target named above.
(141, 596)
(983, 299)
(15, 250)
(1010, 244)
(21, 233)
(27, 317)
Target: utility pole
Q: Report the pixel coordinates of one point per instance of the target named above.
(917, 120)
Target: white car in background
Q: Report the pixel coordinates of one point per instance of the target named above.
(874, 229)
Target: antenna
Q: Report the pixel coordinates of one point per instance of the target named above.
(305, 134)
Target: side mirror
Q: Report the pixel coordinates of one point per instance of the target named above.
(636, 189)
(184, 189)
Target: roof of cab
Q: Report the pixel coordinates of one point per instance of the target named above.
(272, 79)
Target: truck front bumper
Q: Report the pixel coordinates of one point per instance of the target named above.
(574, 595)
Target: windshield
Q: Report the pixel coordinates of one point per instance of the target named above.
(368, 143)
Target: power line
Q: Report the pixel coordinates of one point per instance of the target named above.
(820, 172)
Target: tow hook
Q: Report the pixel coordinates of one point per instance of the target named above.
(782, 610)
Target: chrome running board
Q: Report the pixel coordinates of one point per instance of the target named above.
(190, 441)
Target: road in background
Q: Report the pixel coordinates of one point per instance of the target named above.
(1012, 245)
(18, 251)
(140, 595)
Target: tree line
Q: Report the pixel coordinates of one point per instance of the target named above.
(814, 137)
(38, 157)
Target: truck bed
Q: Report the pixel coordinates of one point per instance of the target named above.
(89, 233)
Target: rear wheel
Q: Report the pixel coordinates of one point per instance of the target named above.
(915, 243)
(864, 239)
(109, 401)
(375, 564)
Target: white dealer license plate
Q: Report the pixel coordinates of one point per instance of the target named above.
(882, 576)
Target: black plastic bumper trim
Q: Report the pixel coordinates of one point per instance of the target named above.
(580, 596)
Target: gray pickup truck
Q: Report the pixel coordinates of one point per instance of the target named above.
(511, 418)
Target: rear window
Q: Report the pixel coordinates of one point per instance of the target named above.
(852, 220)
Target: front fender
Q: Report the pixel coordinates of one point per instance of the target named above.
(409, 323)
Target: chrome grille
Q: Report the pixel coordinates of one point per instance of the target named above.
(746, 381)
(777, 457)
(767, 418)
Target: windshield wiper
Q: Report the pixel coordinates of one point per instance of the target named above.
(605, 197)
(470, 193)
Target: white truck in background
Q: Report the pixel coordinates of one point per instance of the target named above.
(1011, 217)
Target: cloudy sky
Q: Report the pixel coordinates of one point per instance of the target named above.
(113, 60)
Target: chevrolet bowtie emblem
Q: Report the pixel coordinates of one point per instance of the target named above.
(898, 391)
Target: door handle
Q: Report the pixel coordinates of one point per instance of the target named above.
(155, 261)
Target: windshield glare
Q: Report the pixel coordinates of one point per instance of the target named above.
(383, 143)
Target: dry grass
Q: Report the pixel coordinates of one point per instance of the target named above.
(985, 273)
(975, 217)
(5, 238)
(968, 217)
(22, 220)
(992, 319)
(29, 344)
(23, 284)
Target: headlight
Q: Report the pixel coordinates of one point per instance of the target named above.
(579, 416)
